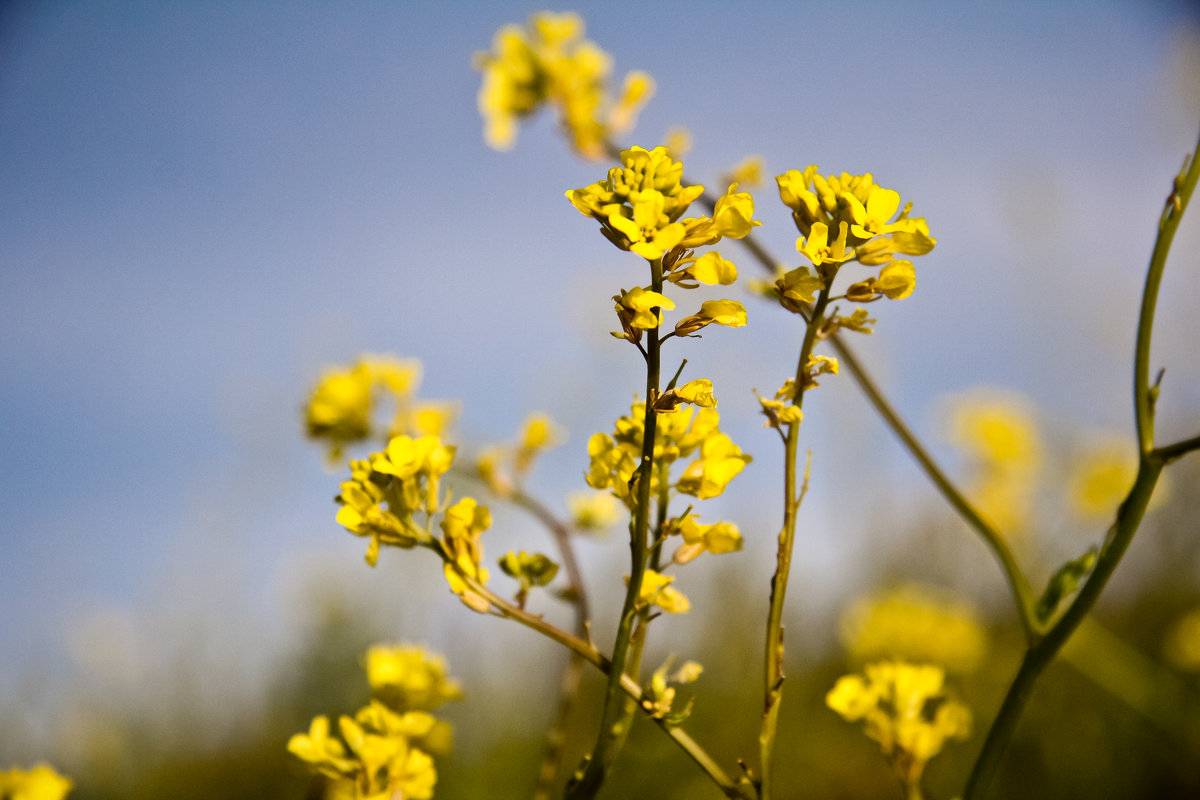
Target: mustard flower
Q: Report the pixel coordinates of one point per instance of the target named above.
(719, 537)
(344, 402)
(41, 782)
(916, 623)
(549, 61)
(698, 393)
(639, 310)
(593, 511)
(904, 708)
(657, 591)
(462, 525)
(720, 462)
(639, 202)
(408, 677)
(798, 287)
(729, 313)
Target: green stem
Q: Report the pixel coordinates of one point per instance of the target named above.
(1018, 583)
(773, 657)
(1129, 514)
(588, 652)
(552, 753)
(611, 735)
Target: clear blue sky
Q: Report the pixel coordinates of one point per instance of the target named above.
(203, 204)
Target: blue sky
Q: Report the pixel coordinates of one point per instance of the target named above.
(203, 205)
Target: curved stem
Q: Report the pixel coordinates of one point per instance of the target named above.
(588, 652)
(1129, 514)
(552, 754)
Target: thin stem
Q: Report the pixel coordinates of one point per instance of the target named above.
(1018, 583)
(588, 652)
(1170, 452)
(552, 754)
(611, 735)
(773, 658)
(1129, 514)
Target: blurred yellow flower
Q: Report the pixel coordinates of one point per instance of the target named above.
(1182, 646)
(549, 62)
(39, 783)
(593, 511)
(408, 677)
(914, 623)
(905, 709)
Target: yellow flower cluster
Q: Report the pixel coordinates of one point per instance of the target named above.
(905, 708)
(344, 404)
(385, 491)
(386, 749)
(614, 459)
(845, 218)
(916, 623)
(39, 783)
(549, 61)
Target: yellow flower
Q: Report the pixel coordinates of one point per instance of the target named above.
(719, 537)
(709, 268)
(407, 677)
(729, 313)
(798, 287)
(538, 434)
(1182, 646)
(39, 783)
(897, 280)
(720, 462)
(916, 623)
(639, 202)
(549, 62)
(904, 708)
(819, 250)
(641, 309)
(997, 431)
(593, 511)
(748, 171)
(343, 403)
(657, 591)
(326, 755)
(462, 525)
(1103, 474)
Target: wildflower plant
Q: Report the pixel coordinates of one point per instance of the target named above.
(857, 243)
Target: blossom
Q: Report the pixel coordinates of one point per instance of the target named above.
(904, 708)
(41, 782)
(343, 404)
(719, 537)
(639, 203)
(720, 462)
(657, 590)
(592, 511)
(549, 62)
(917, 623)
(408, 677)
(729, 313)
(461, 526)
